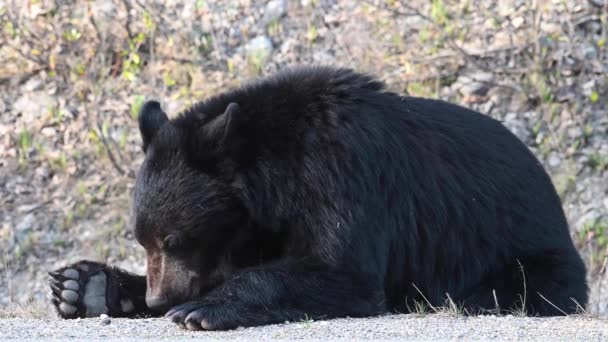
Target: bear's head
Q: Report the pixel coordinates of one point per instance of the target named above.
(187, 213)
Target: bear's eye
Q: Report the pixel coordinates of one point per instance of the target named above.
(170, 242)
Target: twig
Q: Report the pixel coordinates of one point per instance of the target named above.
(602, 275)
(175, 59)
(523, 299)
(23, 76)
(579, 307)
(427, 301)
(553, 305)
(412, 11)
(8, 278)
(28, 57)
(128, 8)
(104, 140)
(452, 304)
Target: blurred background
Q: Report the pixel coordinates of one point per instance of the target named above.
(74, 73)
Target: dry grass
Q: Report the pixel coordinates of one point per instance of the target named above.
(33, 309)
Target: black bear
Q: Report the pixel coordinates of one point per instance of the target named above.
(318, 193)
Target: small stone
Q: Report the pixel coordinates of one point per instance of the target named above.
(275, 9)
(104, 7)
(49, 132)
(550, 28)
(105, 319)
(32, 105)
(258, 50)
(574, 132)
(414, 22)
(589, 51)
(32, 84)
(588, 217)
(26, 208)
(517, 126)
(518, 22)
(589, 87)
(27, 223)
(554, 160)
(474, 84)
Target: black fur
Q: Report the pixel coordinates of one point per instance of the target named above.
(317, 193)
(151, 118)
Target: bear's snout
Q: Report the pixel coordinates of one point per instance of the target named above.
(169, 282)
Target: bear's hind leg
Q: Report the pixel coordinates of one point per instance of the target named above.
(554, 285)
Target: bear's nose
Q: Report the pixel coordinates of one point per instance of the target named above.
(159, 303)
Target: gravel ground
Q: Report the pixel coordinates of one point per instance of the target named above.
(410, 327)
(70, 147)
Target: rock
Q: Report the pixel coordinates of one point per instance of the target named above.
(188, 10)
(32, 84)
(324, 58)
(474, 84)
(32, 105)
(507, 7)
(589, 87)
(597, 3)
(26, 224)
(589, 51)
(501, 39)
(550, 28)
(49, 131)
(574, 132)
(518, 22)
(105, 319)
(103, 11)
(258, 50)
(274, 10)
(517, 126)
(554, 160)
(26, 208)
(587, 218)
(412, 22)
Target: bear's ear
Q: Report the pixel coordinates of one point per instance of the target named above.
(151, 119)
(220, 130)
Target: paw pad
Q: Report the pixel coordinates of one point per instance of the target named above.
(79, 291)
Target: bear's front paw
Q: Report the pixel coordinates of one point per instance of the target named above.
(200, 315)
(79, 290)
